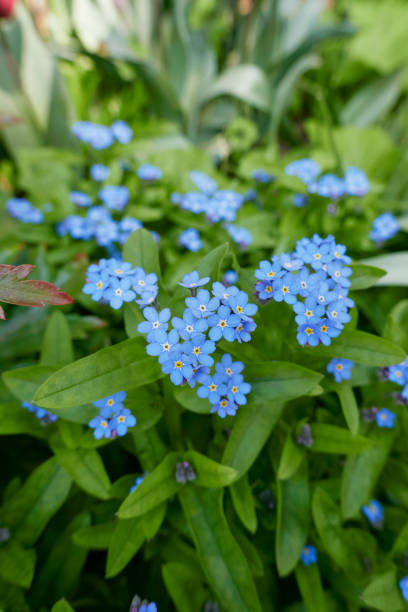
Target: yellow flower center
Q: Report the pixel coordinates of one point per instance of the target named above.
(239, 309)
(222, 323)
(271, 274)
(178, 364)
(99, 285)
(118, 271)
(228, 371)
(285, 289)
(213, 387)
(223, 403)
(121, 419)
(240, 327)
(141, 282)
(309, 331)
(234, 389)
(317, 256)
(196, 350)
(309, 313)
(268, 289)
(323, 328)
(110, 402)
(398, 373)
(339, 367)
(104, 424)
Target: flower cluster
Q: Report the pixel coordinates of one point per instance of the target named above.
(216, 204)
(149, 173)
(114, 197)
(137, 605)
(308, 555)
(190, 240)
(340, 368)
(99, 172)
(240, 235)
(314, 281)
(113, 418)
(399, 374)
(43, 415)
(24, 211)
(100, 225)
(374, 512)
(262, 176)
(385, 226)
(354, 182)
(185, 351)
(102, 136)
(115, 281)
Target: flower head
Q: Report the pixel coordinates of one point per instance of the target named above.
(99, 172)
(356, 182)
(374, 513)
(308, 555)
(121, 131)
(203, 182)
(190, 240)
(385, 226)
(192, 280)
(385, 418)
(340, 368)
(149, 173)
(114, 196)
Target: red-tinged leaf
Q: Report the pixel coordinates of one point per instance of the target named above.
(14, 290)
(2, 315)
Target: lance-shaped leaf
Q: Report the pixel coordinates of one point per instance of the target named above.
(141, 250)
(122, 366)
(62, 606)
(17, 564)
(127, 538)
(57, 341)
(87, 470)
(383, 594)
(310, 586)
(24, 382)
(279, 381)
(15, 290)
(244, 503)
(221, 558)
(348, 405)
(208, 472)
(291, 458)
(332, 439)
(364, 277)
(95, 537)
(185, 586)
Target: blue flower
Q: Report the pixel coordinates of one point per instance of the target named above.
(307, 282)
(308, 311)
(224, 204)
(148, 607)
(106, 233)
(385, 226)
(24, 211)
(230, 277)
(110, 404)
(162, 344)
(122, 131)
(189, 325)
(149, 173)
(200, 375)
(119, 291)
(205, 183)
(238, 389)
(223, 293)
(323, 293)
(114, 196)
(403, 583)
(399, 373)
(195, 202)
(127, 226)
(239, 305)
(121, 421)
(337, 312)
(101, 428)
(243, 331)
(356, 182)
(385, 418)
(80, 199)
(285, 289)
(199, 349)
(96, 285)
(175, 197)
(374, 513)
(308, 555)
(289, 261)
(299, 200)
(192, 280)
(308, 334)
(99, 172)
(138, 481)
(326, 330)
(261, 176)
(97, 136)
(269, 271)
(330, 186)
(190, 239)
(340, 368)
(317, 255)
(306, 169)
(240, 235)
(214, 388)
(228, 368)
(43, 415)
(154, 321)
(339, 273)
(119, 268)
(142, 281)
(203, 305)
(223, 324)
(224, 407)
(178, 365)
(264, 290)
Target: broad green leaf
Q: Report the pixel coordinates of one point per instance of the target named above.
(348, 405)
(95, 537)
(86, 469)
(127, 538)
(395, 481)
(185, 586)
(244, 503)
(383, 594)
(246, 82)
(310, 586)
(189, 399)
(157, 486)
(132, 316)
(252, 427)
(57, 344)
(396, 327)
(36, 502)
(360, 472)
(293, 499)
(142, 251)
(279, 381)
(208, 472)
(333, 439)
(395, 266)
(292, 455)
(360, 347)
(17, 563)
(364, 277)
(122, 366)
(15, 290)
(17, 420)
(62, 606)
(152, 521)
(220, 556)
(148, 446)
(250, 551)
(24, 382)
(401, 543)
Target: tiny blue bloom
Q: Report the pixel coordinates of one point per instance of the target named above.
(24, 211)
(385, 226)
(340, 368)
(154, 321)
(203, 182)
(230, 278)
(138, 481)
(110, 404)
(178, 365)
(308, 555)
(385, 418)
(99, 172)
(192, 280)
(374, 513)
(330, 186)
(80, 199)
(199, 349)
(149, 173)
(101, 428)
(190, 240)
(121, 421)
(238, 389)
(224, 407)
(119, 291)
(114, 196)
(203, 305)
(261, 176)
(239, 305)
(306, 169)
(122, 131)
(356, 182)
(162, 344)
(189, 325)
(223, 324)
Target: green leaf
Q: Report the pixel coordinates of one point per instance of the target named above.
(17, 564)
(86, 469)
(220, 556)
(360, 347)
(327, 521)
(141, 250)
(132, 316)
(310, 587)
(244, 503)
(24, 382)
(189, 399)
(292, 455)
(15, 290)
(62, 606)
(333, 439)
(395, 265)
(364, 277)
(279, 381)
(16, 420)
(127, 538)
(293, 499)
(57, 343)
(360, 472)
(107, 371)
(246, 82)
(156, 487)
(252, 427)
(152, 521)
(396, 326)
(383, 594)
(348, 405)
(208, 472)
(185, 586)
(95, 537)
(401, 543)
(41, 496)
